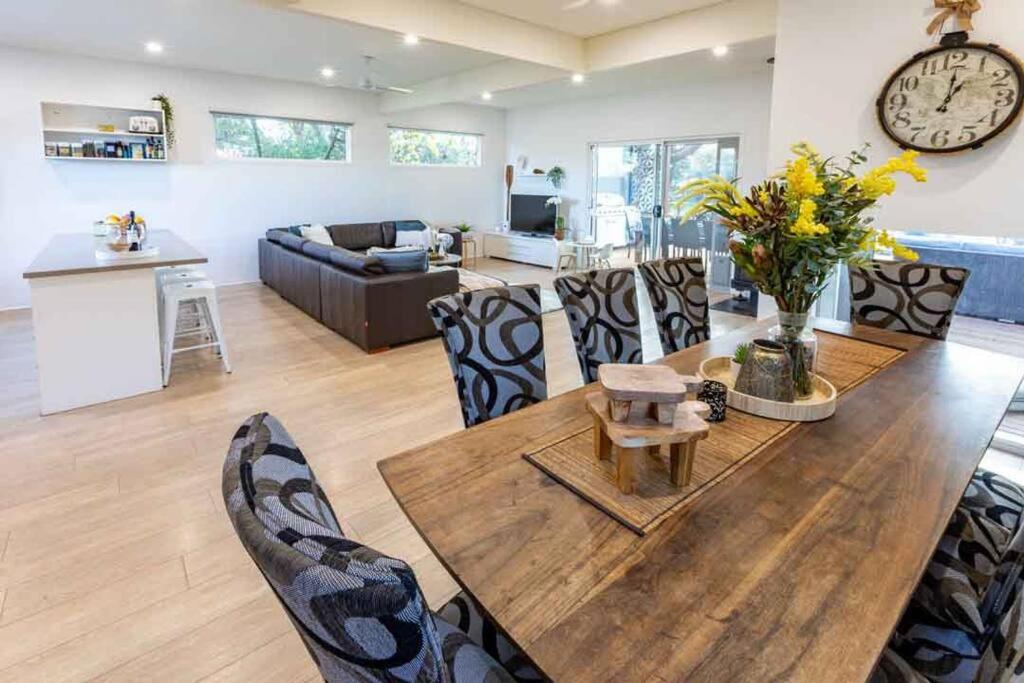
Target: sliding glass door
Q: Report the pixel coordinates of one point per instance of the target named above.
(631, 199)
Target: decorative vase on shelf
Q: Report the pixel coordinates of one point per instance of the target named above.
(795, 332)
(767, 372)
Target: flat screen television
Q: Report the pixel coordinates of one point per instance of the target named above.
(531, 214)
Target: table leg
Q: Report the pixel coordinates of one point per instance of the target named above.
(681, 462)
(624, 472)
(602, 444)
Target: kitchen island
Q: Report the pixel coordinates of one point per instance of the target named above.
(96, 322)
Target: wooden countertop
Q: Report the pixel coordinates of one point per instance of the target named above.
(795, 568)
(75, 254)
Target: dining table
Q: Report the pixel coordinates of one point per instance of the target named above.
(796, 566)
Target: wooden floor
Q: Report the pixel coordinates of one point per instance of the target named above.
(117, 560)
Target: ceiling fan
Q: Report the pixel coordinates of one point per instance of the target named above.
(369, 81)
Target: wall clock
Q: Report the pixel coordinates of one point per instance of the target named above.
(952, 98)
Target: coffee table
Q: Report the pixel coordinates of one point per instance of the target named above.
(452, 260)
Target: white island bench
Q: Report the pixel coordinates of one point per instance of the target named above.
(95, 322)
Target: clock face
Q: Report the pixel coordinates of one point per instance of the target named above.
(952, 98)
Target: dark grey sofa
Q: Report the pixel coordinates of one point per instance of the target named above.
(349, 291)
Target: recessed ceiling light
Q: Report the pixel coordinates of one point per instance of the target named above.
(154, 47)
(327, 72)
(578, 78)
(411, 39)
(486, 95)
(720, 51)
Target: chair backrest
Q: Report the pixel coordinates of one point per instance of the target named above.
(679, 297)
(906, 297)
(602, 309)
(606, 251)
(361, 614)
(494, 339)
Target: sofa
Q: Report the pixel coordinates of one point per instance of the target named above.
(355, 293)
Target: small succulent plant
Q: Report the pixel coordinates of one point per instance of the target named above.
(740, 354)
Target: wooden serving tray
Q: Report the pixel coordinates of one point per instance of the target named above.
(820, 405)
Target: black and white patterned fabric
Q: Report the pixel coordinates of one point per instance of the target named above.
(462, 612)
(964, 622)
(360, 613)
(906, 297)
(602, 309)
(679, 296)
(494, 339)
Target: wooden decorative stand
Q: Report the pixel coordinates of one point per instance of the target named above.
(641, 409)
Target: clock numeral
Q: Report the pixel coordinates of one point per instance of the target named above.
(929, 67)
(940, 138)
(990, 119)
(1005, 97)
(917, 132)
(954, 60)
(909, 83)
(982, 63)
(967, 134)
(1001, 77)
(901, 120)
(898, 102)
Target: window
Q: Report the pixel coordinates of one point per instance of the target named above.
(412, 147)
(240, 136)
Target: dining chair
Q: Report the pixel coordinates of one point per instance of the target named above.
(494, 339)
(916, 298)
(601, 306)
(679, 297)
(603, 255)
(361, 614)
(965, 620)
(566, 256)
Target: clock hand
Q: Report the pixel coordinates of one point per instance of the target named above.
(944, 107)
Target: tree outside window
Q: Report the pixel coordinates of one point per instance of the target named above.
(240, 136)
(413, 147)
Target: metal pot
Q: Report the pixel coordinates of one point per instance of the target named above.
(767, 373)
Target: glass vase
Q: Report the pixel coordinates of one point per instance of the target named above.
(795, 332)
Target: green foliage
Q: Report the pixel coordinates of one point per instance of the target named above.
(741, 352)
(556, 176)
(463, 227)
(255, 137)
(165, 104)
(432, 148)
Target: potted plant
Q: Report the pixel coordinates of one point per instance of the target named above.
(165, 104)
(789, 232)
(739, 357)
(559, 219)
(556, 176)
(463, 227)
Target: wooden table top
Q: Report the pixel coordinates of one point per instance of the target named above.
(796, 568)
(75, 254)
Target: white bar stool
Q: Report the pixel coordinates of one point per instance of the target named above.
(203, 295)
(188, 311)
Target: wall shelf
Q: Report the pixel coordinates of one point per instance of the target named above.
(72, 132)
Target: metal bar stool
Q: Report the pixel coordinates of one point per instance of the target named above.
(203, 295)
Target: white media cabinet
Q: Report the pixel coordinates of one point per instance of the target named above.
(536, 251)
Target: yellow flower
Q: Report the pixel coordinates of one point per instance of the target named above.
(876, 183)
(802, 180)
(907, 163)
(744, 208)
(805, 225)
(882, 239)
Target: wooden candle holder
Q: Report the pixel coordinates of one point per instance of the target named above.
(658, 387)
(642, 432)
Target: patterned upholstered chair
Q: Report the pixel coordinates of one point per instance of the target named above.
(965, 622)
(361, 614)
(679, 297)
(906, 297)
(602, 309)
(495, 345)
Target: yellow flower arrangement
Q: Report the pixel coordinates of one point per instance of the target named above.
(790, 231)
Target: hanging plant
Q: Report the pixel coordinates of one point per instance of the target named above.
(556, 176)
(165, 105)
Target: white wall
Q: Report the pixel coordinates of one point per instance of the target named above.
(561, 133)
(221, 207)
(830, 68)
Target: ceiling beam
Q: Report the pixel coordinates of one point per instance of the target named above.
(454, 23)
(727, 23)
(468, 86)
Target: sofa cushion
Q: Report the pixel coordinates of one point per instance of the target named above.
(402, 260)
(320, 252)
(357, 236)
(287, 239)
(412, 238)
(354, 261)
(316, 233)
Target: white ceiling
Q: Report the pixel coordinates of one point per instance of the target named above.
(587, 18)
(673, 72)
(235, 36)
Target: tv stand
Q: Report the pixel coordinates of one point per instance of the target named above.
(535, 250)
